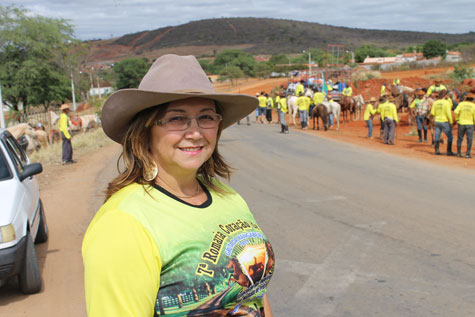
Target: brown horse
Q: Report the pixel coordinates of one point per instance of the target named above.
(238, 276)
(320, 111)
(256, 270)
(347, 107)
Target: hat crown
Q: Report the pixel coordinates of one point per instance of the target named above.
(172, 73)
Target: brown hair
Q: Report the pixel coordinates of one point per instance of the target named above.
(136, 155)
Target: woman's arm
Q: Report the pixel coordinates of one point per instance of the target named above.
(267, 310)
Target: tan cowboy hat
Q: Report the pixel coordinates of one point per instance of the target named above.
(64, 106)
(437, 80)
(372, 99)
(170, 78)
(420, 92)
(470, 96)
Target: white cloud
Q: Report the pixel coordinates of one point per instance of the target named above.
(93, 19)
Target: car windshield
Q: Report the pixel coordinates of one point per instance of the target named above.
(4, 170)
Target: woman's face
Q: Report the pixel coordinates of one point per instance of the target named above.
(183, 152)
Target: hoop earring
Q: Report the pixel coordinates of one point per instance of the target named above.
(150, 173)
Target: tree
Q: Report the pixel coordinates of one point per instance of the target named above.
(232, 73)
(233, 57)
(130, 72)
(263, 69)
(279, 59)
(33, 51)
(434, 48)
(369, 51)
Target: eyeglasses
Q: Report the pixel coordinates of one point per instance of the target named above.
(180, 123)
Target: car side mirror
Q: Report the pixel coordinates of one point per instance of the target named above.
(30, 170)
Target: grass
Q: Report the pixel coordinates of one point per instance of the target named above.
(82, 144)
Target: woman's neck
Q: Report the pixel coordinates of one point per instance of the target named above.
(182, 185)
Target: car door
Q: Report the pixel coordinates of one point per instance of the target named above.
(30, 191)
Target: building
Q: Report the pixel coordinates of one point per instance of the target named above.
(454, 57)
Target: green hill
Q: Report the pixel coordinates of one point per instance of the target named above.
(260, 36)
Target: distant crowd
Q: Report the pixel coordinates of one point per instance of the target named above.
(431, 108)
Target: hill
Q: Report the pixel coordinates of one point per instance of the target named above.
(256, 36)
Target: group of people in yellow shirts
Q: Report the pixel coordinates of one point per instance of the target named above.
(440, 108)
(266, 104)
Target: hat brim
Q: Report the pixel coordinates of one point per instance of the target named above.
(122, 106)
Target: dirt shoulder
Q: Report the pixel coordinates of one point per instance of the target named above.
(355, 132)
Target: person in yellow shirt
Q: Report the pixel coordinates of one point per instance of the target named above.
(282, 112)
(299, 89)
(465, 116)
(390, 119)
(368, 116)
(436, 87)
(262, 107)
(303, 102)
(382, 101)
(67, 148)
(277, 106)
(420, 107)
(383, 89)
(443, 121)
(270, 105)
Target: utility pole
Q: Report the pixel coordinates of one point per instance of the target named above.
(2, 117)
(72, 88)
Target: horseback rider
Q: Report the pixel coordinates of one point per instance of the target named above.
(383, 89)
(436, 87)
(299, 89)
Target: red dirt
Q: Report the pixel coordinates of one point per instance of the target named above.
(355, 132)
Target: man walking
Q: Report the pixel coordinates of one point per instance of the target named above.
(443, 121)
(465, 116)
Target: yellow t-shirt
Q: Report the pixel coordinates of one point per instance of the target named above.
(441, 111)
(389, 110)
(318, 98)
(369, 111)
(64, 124)
(465, 113)
(262, 101)
(303, 103)
(283, 105)
(434, 88)
(299, 89)
(145, 246)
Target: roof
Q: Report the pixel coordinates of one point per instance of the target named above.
(453, 53)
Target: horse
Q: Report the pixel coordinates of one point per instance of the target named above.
(270, 259)
(359, 102)
(320, 111)
(335, 109)
(238, 276)
(346, 107)
(293, 108)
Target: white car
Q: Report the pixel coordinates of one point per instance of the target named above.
(22, 218)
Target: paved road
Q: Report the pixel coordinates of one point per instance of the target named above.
(357, 232)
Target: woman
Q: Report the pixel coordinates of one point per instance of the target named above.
(171, 239)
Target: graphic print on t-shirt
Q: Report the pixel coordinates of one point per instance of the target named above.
(229, 276)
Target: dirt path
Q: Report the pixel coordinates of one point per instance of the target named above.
(70, 195)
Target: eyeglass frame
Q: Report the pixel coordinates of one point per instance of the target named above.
(189, 119)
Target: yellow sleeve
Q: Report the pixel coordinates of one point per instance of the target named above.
(429, 91)
(432, 110)
(449, 112)
(122, 267)
(395, 114)
(456, 113)
(63, 125)
(413, 104)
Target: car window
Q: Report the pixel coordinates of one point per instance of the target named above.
(4, 170)
(18, 150)
(14, 154)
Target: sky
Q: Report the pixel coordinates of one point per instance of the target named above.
(105, 19)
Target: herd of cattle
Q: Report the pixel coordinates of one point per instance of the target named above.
(35, 136)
